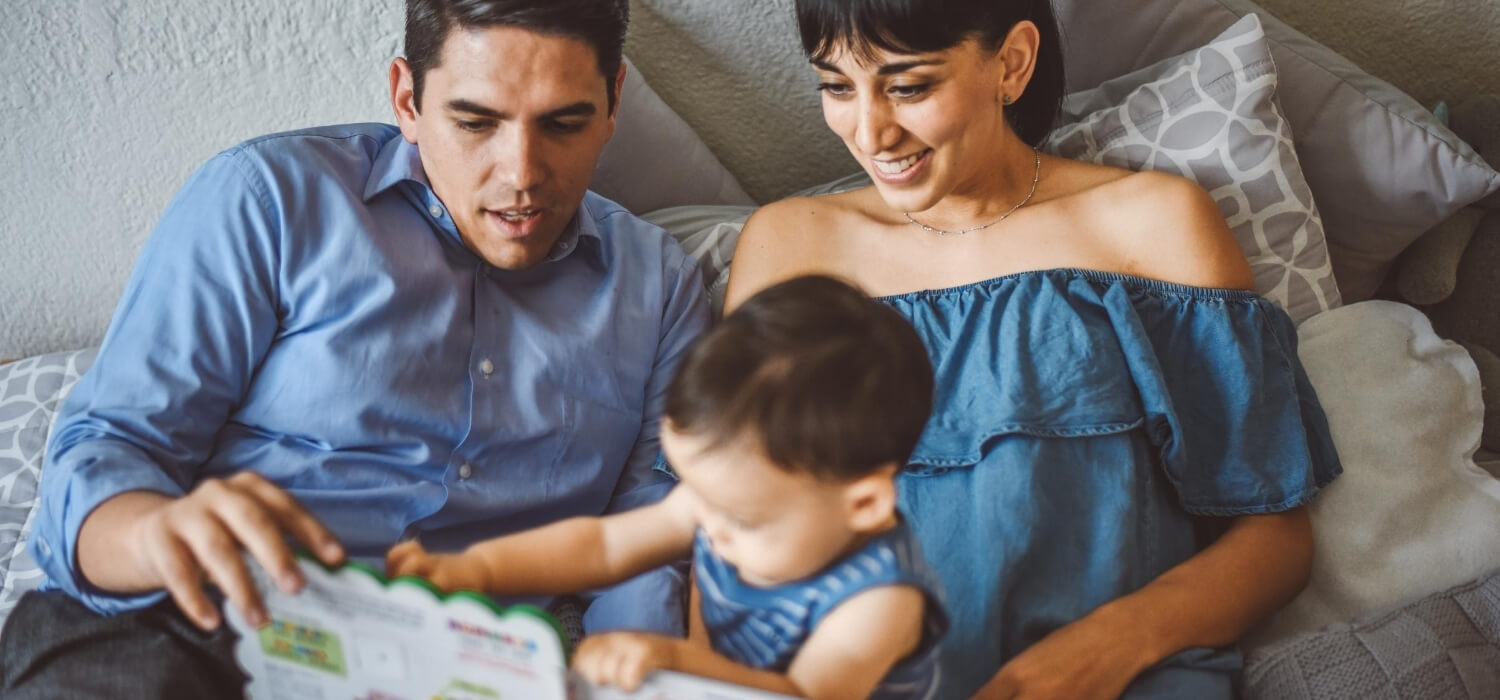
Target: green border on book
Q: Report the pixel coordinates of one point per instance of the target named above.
(441, 597)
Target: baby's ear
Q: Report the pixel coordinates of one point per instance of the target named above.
(870, 501)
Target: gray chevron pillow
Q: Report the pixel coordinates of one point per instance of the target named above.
(31, 391)
(1210, 115)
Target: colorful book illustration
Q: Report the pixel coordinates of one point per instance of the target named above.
(351, 633)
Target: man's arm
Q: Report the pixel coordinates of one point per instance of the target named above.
(653, 600)
(685, 317)
(196, 318)
(564, 557)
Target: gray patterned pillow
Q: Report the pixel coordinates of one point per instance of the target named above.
(1210, 115)
(31, 391)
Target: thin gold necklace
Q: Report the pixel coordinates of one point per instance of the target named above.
(1035, 177)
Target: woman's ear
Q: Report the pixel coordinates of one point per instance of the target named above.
(1018, 60)
(870, 501)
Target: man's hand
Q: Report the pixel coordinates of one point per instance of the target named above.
(624, 659)
(178, 543)
(449, 572)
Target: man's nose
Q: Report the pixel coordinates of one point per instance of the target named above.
(521, 160)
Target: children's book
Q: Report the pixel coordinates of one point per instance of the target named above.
(351, 634)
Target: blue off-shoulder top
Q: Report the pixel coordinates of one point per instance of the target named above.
(1084, 424)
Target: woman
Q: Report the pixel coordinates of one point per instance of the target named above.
(1111, 485)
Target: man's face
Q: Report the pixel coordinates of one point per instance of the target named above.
(509, 128)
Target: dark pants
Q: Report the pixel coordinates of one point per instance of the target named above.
(54, 647)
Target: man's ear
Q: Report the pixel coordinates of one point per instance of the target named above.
(403, 99)
(1018, 57)
(870, 501)
(619, 90)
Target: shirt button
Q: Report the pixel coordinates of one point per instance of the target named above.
(41, 544)
(436, 211)
(465, 471)
(563, 246)
(486, 367)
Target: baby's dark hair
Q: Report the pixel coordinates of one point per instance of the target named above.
(827, 380)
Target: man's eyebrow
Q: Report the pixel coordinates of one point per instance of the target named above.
(577, 109)
(473, 108)
(887, 69)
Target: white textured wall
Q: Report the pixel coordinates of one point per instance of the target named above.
(734, 69)
(109, 104)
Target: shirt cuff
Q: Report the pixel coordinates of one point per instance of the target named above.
(74, 484)
(655, 601)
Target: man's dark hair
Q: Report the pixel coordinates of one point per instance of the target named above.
(924, 26)
(599, 23)
(827, 380)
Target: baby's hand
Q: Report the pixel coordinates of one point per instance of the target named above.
(448, 572)
(624, 659)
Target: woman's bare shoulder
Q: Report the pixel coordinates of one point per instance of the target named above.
(1166, 227)
(792, 237)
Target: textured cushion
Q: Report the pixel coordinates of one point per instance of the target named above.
(1446, 645)
(1412, 514)
(1209, 115)
(655, 160)
(1382, 168)
(30, 392)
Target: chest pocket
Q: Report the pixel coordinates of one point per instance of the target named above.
(1059, 384)
(603, 413)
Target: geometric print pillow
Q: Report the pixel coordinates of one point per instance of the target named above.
(31, 391)
(1210, 115)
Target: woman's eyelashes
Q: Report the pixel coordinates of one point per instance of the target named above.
(910, 91)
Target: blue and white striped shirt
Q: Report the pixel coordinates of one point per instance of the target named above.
(765, 627)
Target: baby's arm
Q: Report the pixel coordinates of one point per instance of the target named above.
(564, 557)
(847, 656)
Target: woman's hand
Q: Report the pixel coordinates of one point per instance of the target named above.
(624, 659)
(1088, 659)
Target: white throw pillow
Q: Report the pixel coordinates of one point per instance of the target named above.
(655, 160)
(1412, 514)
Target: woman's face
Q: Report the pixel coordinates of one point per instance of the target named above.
(923, 125)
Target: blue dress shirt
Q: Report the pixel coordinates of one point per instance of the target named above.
(307, 310)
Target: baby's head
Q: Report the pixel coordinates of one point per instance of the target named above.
(789, 421)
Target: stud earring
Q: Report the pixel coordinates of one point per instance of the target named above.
(1008, 99)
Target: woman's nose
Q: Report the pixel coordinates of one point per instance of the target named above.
(877, 130)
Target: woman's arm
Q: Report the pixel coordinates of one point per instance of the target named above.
(567, 556)
(772, 248)
(847, 656)
(1210, 600)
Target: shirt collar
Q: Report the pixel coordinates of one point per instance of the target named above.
(400, 161)
(397, 162)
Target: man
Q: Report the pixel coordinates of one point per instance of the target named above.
(350, 335)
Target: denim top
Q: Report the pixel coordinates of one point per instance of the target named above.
(1082, 421)
(766, 627)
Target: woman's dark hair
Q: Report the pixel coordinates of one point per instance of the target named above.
(829, 381)
(599, 23)
(924, 26)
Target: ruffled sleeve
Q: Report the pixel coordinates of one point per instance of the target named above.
(1226, 399)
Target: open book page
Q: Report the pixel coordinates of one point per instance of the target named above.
(670, 685)
(352, 634)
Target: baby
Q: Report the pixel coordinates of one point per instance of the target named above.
(786, 426)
